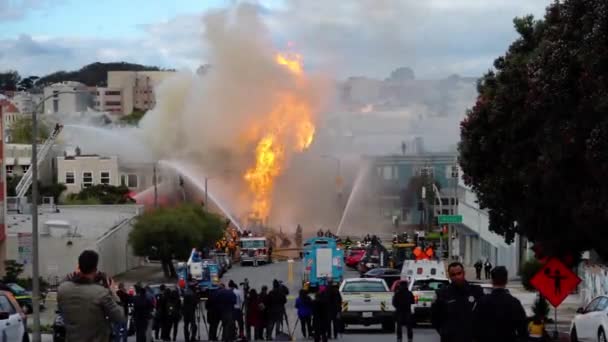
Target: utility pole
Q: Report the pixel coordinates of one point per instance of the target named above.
(34, 208)
(155, 187)
(454, 175)
(206, 193)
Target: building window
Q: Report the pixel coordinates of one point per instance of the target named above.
(69, 177)
(9, 170)
(104, 177)
(454, 171)
(87, 179)
(55, 106)
(129, 180)
(25, 168)
(113, 92)
(387, 172)
(113, 103)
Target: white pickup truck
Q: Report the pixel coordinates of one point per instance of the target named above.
(424, 291)
(367, 301)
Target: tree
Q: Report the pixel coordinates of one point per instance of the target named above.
(101, 194)
(94, 74)
(534, 147)
(173, 232)
(9, 80)
(21, 131)
(27, 83)
(133, 118)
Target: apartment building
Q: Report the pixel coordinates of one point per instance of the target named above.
(67, 98)
(108, 100)
(137, 88)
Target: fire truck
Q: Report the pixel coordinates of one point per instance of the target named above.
(254, 250)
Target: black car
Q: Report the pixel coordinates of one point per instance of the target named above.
(390, 275)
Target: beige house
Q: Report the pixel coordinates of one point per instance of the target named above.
(137, 87)
(81, 171)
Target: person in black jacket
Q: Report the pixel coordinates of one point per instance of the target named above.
(189, 307)
(402, 301)
(213, 314)
(276, 308)
(142, 312)
(499, 316)
(334, 310)
(452, 311)
(320, 317)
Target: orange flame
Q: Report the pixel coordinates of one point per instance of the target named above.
(290, 128)
(293, 62)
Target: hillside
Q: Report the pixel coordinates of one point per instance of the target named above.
(95, 74)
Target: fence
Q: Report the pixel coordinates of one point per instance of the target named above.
(595, 282)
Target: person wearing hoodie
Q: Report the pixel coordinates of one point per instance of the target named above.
(87, 302)
(304, 306)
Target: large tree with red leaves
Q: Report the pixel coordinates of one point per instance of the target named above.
(534, 148)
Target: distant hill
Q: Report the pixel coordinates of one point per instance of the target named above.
(95, 74)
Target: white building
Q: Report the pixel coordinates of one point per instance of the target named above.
(79, 100)
(108, 100)
(66, 232)
(26, 102)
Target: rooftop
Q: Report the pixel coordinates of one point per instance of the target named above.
(87, 221)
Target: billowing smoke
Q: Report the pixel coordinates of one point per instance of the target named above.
(216, 120)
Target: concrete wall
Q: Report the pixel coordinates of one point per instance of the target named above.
(116, 256)
(67, 103)
(57, 257)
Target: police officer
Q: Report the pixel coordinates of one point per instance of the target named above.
(452, 311)
(402, 301)
(499, 316)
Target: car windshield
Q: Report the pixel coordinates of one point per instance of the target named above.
(16, 288)
(253, 243)
(363, 286)
(428, 285)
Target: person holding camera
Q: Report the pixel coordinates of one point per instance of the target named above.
(88, 303)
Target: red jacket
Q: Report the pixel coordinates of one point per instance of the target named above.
(254, 313)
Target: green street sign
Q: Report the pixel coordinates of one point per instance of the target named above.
(449, 219)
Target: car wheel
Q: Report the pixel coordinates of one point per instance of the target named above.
(573, 335)
(601, 336)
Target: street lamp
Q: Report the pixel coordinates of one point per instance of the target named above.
(34, 208)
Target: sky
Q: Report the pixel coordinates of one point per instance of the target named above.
(370, 38)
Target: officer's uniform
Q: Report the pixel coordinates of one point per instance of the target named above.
(452, 312)
(500, 317)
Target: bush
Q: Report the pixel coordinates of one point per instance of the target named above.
(528, 270)
(540, 307)
(13, 270)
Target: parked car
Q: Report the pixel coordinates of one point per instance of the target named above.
(12, 318)
(591, 322)
(390, 275)
(227, 259)
(354, 257)
(24, 297)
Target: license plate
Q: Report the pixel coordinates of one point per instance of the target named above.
(367, 314)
